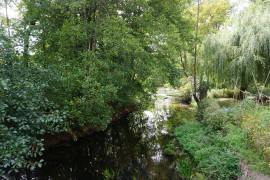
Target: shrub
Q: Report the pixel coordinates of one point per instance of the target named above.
(203, 105)
(210, 151)
(235, 115)
(246, 104)
(185, 91)
(25, 114)
(215, 117)
(221, 93)
(210, 113)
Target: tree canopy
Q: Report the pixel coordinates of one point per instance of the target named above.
(240, 48)
(74, 65)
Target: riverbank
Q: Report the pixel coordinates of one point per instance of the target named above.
(66, 138)
(235, 130)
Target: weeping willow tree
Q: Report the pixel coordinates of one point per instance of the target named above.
(240, 49)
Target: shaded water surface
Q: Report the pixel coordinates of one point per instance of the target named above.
(131, 148)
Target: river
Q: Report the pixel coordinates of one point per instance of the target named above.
(132, 148)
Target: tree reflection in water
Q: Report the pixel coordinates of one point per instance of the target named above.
(133, 147)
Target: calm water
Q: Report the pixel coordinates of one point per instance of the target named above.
(131, 148)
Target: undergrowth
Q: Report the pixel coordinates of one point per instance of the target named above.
(224, 136)
(210, 151)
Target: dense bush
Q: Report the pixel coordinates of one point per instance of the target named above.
(210, 113)
(205, 103)
(210, 151)
(235, 115)
(215, 117)
(185, 91)
(25, 114)
(221, 93)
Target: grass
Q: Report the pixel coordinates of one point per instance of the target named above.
(186, 168)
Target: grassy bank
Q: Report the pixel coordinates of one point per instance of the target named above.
(223, 139)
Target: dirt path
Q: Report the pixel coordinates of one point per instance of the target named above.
(251, 175)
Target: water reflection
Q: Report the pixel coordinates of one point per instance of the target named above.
(132, 147)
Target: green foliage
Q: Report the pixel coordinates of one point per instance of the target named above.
(210, 113)
(212, 15)
(25, 114)
(235, 115)
(215, 117)
(247, 104)
(170, 149)
(110, 174)
(248, 133)
(82, 62)
(185, 91)
(240, 49)
(203, 105)
(237, 137)
(210, 151)
(221, 93)
(186, 168)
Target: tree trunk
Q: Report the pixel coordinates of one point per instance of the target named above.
(7, 18)
(195, 55)
(27, 33)
(241, 93)
(85, 21)
(97, 23)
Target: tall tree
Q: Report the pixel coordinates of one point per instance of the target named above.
(240, 49)
(195, 54)
(7, 18)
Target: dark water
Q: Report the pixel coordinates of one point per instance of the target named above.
(132, 148)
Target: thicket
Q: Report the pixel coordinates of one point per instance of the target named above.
(28, 110)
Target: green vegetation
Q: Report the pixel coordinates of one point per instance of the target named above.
(222, 138)
(240, 49)
(79, 64)
(210, 151)
(71, 67)
(255, 130)
(110, 174)
(186, 168)
(221, 93)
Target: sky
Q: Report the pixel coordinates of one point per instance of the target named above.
(12, 11)
(240, 4)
